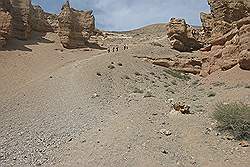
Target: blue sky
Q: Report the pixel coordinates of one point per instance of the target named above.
(131, 14)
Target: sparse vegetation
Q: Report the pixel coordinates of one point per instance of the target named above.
(156, 44)
(137, 90)
(234, 118)
(196, 82)
(216, 84)
(177, 74)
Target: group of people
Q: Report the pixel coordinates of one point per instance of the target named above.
(116, 48)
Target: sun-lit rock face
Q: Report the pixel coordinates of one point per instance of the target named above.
(182, 36)
(223, 14)
(225, 33)
(227, 30)
(75, 27)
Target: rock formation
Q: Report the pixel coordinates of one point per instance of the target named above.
(182, 36)
(75, 27)
(19, 18)
(223, 14)
(21, 12)
(227, 31)
(52, 19)
(5, 22)
(39, 20)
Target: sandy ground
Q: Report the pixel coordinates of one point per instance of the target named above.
(63, 107)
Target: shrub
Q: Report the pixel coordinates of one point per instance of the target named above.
(177, 74)
(234, 118)
(156, 44)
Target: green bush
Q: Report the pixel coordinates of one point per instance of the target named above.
(234, 118)
(177, 74)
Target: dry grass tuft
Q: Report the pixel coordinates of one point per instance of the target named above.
(234, 118)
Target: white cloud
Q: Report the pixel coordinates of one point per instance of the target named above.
(130, 14)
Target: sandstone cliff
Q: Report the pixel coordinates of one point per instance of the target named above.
(5, 22)
(75, 27)
(39, 20)
(227, 30)
(21, 12)
(225, 34)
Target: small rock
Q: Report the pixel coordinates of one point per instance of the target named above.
(98, 74)
(244, 144)
(165, 132)
(148, 94)
(95, 95)
(137, 74)
(119, 64)
(164, 151)
(184, 109)
(208, 130)
(111, 67)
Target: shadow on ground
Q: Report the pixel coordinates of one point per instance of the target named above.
(22, 45)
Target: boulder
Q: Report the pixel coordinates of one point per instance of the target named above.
(244, 61)
(21, 12)
(183, 37)
(75, 27)
(181, 107)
